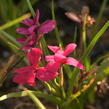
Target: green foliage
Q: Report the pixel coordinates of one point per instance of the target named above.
(59, 95)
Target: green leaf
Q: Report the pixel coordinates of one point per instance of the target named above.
(39, 94)
(31, 8)
(94, 40)
(56, 28)
(9, 38)
(13, 22)
(24, 8)
(102, 71)
(35, 99)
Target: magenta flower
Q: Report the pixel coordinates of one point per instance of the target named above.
(29, 73)
(59, 58)
(34, 31)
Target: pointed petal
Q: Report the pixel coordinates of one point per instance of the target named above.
(25, 77)
(34, 56)
(60, 59)
(46, 27)
(23, 69)
(22, 31)
(44, 75)
(36, 18)
(31, 29)
(54, 48)
(69, 48)
(52, 66)
(26, 47)
(27, 22)
(74, 62)
(59, 52)
(49, 58)
(21, 40)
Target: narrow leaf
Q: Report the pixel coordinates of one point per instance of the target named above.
(13, 22)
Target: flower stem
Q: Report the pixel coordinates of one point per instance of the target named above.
(56, 28)
(35, 99)
(100, 14)
(84, 32)
(61, 82)
(31, 8)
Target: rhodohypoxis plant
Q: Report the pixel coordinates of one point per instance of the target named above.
(34, 30)
(48, 73)
(59, 58)
(29, 73)
(51, 69)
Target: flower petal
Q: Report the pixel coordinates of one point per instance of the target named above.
(31, 29)
(49, 58)
(36, 18)
(59, 52)
(21, 40)
(60, 59)
(27, 22)
(25, 77)
(34, 56)
(54, 48)
(23, 69)
(22, 31)
(52, 66)
(69, 48)
(46, 27)
(74, 62)
(27, 47)
(44, 75)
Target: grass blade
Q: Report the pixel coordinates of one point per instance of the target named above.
(94, 40)
(11, 23)
(10, 38)
(39, 94)
(35, 99)
(56, 28)
(31, 8)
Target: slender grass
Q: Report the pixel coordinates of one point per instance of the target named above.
(95, 40)
(10, 38)
(35, 99)
(39, 94)
(13, 22)
(56, 28)
(31, 8)
(101, 13)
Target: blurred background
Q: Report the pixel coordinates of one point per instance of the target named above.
(98, 9)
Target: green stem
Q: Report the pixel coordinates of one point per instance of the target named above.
(11, 23)
(48, 97)
(35, 99)
(44, 46)
(94, 40)
(84, 33)
(56, 28)
(101, 13)
(72, 81)
(9, 37)
(31, 8)
(61, 82)
(99, 59)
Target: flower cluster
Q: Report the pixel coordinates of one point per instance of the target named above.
(33, 33)
(29, 73)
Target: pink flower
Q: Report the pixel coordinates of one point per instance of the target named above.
(34, 31)
(29, 73)
(59, 58)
